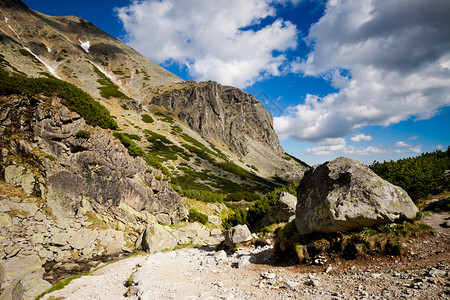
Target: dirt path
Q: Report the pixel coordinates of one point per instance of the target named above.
(423, 273)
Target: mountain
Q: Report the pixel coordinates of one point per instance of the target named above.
(100, 147)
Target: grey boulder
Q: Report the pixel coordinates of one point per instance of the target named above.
(237, 234)
(344, 194)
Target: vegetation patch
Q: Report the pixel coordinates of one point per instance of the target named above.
(147, 119)
(84, 134)
(383, 239)
(74, 98)
(195, 215)
(259, 208)
(164, 118)
(108, 89)
(419, 176)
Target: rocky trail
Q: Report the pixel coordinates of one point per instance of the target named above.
(422, 273)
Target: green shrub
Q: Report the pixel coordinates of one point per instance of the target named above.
(164, 117)
(108, 89)
(147, 119)
(420, 176)
(84, 134)
(238, 196)
(74, 98)
(261, 207)
(125, 107)
(194, 215)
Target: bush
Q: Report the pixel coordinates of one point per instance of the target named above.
(194, 215)
(74, 98)
(261, 207)
(419, 176)
(84, 134)
(147, 119)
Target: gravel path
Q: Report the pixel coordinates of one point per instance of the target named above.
(423, 273)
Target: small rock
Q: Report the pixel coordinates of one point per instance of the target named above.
(436, 272)
(268, 275)
(328, 270)
(243, 261)
(292, 285)
(376, 275)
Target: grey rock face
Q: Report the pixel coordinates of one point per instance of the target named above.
(21, 278)
(222, 113)
(237, 234)
(284, 209)
(344, 194)
(99, 167)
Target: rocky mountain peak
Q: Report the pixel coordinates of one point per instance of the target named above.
(222, 113)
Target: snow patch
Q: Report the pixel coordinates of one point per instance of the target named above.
(6, 19)
(103, 71)
(49, 50)
(50, 69)
(85, 45)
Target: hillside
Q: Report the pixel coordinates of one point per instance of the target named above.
(125, 82)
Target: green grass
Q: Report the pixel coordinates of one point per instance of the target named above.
(147, 119)
(108, 89)
(164, 118)
(60, 285)
(74, 98)
(84, 134)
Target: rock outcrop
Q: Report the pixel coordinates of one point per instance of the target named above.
(344, 194)
(222, 113)
(73, 168)
(283, 210)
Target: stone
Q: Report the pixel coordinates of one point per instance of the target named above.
(216, 232)
(59, 239)
(344, 195)
(157, 238)
(291, 285)
(243, 261)
(23, 275)
(237, 234)
(19, 175)
(284, 209)
(5, 220)
(82, 238)
(112, 240)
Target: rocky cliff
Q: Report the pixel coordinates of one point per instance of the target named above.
(224, 114)
(74, 168)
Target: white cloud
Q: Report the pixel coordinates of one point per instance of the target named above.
(339, 146)
(390, 61)
(214, 41)
(415, 137)
(439, 147)
(361, 137)
(401, 144)
(409, 149)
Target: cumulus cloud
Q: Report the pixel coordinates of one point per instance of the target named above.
(402, 144)
(339, 146)
(220, 42)
(407, 148)
(361, 137)
(390, 60)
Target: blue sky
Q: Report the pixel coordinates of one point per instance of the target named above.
(364, 79)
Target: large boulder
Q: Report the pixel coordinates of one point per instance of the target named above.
(283, 210)
(21, 278)
(237, 234)
(344, 194)
(158, 238)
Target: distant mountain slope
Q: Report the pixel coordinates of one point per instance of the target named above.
(130, 86)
